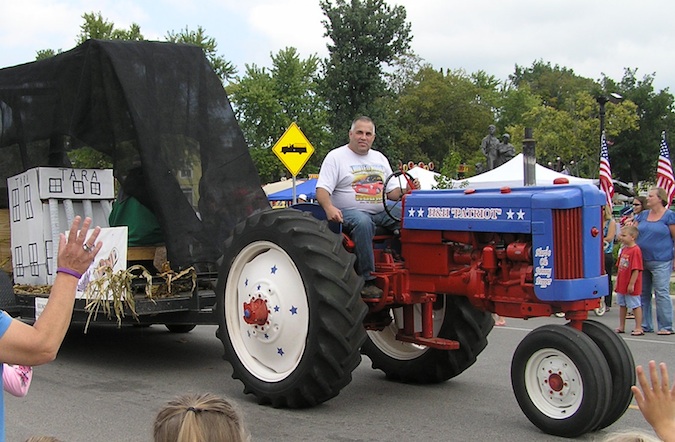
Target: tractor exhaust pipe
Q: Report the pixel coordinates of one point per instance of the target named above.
(529, 159)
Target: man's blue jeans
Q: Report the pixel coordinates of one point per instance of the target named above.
(361, 228)
(656, 276)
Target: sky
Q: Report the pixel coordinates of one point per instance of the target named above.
(591, 37)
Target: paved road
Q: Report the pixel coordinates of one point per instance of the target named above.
(108, 385)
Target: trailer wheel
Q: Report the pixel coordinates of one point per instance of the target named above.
(289, 309)
(621, 366)
(180, 328)
(561, 380)
(455, 319)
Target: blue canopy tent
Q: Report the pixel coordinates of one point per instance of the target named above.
(308, 188)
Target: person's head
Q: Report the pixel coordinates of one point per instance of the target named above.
(639, 204)
(302, 198)
(492, 129)
(199, 417)
(657, 197)
(506, 138)
(361, 135)
(628, 234)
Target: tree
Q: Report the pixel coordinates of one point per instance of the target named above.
(365, 34)
(439, 113)
(223, 68)
(574, 133)
(268, 101)
(636, 152)
(554, 85)
(95, 26)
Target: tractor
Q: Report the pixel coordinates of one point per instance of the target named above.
(280, 283)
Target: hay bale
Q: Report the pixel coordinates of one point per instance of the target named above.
(5, 242)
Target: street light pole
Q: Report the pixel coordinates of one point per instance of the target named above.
(602, 101)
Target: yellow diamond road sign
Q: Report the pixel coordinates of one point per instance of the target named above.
(293, 149)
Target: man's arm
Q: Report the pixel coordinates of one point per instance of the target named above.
(332, 212)
(38, 344)
(397, 194)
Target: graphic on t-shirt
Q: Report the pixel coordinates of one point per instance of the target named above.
(368, 183)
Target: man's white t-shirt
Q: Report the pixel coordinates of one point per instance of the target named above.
(355, 181)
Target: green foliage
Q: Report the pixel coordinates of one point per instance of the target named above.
(45, 53)
(365, 34)
(223, 68)
(88, 158)
(442, 112)
(95, 26)
(636, 150)
(268, 101)
(554, 85)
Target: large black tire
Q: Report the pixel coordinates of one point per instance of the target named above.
(621, 366)
(455, 318)
(306, 352)
(561, 380)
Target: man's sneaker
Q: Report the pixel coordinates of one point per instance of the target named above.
(371, 291)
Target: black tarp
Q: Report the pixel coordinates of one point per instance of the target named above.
(149, 105)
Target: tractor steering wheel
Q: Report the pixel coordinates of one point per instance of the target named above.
(405, 180)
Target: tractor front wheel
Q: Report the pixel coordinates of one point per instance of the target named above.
(561, 380)
(621, 366)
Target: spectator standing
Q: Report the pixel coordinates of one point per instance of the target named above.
(609, 233)
(657, 232)
(38, 344)
(629, 280)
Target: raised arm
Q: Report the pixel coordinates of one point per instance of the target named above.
(38, 344)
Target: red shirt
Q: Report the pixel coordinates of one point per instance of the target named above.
(630, 258)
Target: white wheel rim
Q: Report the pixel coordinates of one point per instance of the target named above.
(554, 383)
(270, 352)
(386, 340)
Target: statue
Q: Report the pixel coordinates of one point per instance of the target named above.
(505, 151)
(489, 146)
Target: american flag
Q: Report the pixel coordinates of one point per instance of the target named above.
(605, 174)
(664, 170)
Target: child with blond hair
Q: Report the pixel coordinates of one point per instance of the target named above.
(629, 280)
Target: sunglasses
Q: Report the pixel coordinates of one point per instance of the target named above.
(637, 204)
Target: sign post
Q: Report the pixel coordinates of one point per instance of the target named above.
(293, 149)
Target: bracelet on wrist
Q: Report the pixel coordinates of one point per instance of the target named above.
(70, 272)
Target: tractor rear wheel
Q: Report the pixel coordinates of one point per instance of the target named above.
(561, 380)
(289, 309)
(454, 318)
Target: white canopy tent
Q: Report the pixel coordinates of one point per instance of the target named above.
(512, 174)
(427, 178)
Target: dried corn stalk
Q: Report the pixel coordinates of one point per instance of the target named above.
(112, 292)
(171, 280)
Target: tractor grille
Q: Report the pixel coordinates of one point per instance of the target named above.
(567, 245)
